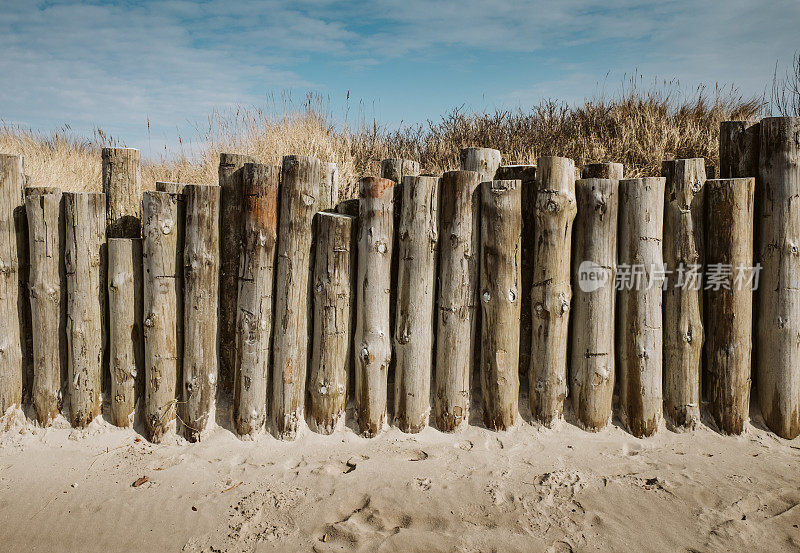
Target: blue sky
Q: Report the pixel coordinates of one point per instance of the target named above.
(116, 66)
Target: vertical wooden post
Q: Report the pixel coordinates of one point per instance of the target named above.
(85, 262)
(639, 320)
(230, 247)
(350, 207)
(526, 174)
(778, 319)
(125, 340)
(330, 355)
(501, 232)
(122, 184)
(594, 270)
(738, 149)
(484, 161)
(161, 259)
(683, 323)
(12, 181)
(729, 309)
(456, 337)
(256, 280)
(45, 218)
(329, 186)
(551, 292)
(417, 245)
(300, 178)
(604, 170)
(201, 284)
(372, 339)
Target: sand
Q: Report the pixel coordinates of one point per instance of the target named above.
(528, 489)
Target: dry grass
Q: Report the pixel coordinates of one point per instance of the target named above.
(638, 127)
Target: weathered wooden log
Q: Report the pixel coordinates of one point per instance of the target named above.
(125, 339)
(526, 174)
(201, 285)
(551, 291)
(331, 345)
(350, 207)
(12, 368)
(778, 319)
(728, 311)
(230, 247)
(300, 178)
(45, 219)
(604, 170)
(639, 319)
(456, 337)
(85, 263)
(372, 338)
(484, 161)
(122, 184)
(161, 259)
(682, 301)
(256, 281)
(501, 232)
(23, 297)
(594, 270)
(417, 239)
(738, 149)
(329, 186)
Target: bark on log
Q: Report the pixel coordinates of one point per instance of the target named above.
(526, 174)
(230, 247)
(330, 356)
(300, 178)
(456, 337)
(256, 281)
(372, 339)
(85, 263)
(551, 292)
(778, 320)
(45, 219)
(729, 311)
(501, 232)
(604, 170)
(201, 285)
(122, 184)
(125, 340)
(161, 259)
(683, 318)
(639, 319)
(417, 240)
(12, 340)
(594, 269)
(738, 149)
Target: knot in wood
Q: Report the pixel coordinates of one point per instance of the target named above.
(486, 296)
(512, 295)
(380, 247)
(308, 200)
(167, 226)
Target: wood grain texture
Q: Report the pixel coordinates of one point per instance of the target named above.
(122, 185)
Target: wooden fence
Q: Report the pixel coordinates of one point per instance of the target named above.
(421, 294)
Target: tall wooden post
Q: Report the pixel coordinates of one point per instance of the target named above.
(738, 149)
(456, 337)
(45, 219)
(256, 280)
(526, 174)
(330, 355)
(350, 207)
(417, 245)
(125, 339)
(300, 178)
(729, 308)
(485, 161)
(12, 181)
(778, 319)
(604, 170)
(594, 270)
(641, 208)
(372, 339)
(230, 246)
(122, 184)
(683, 323)
(501, 232)
(201, 283)
(551, 292)
(85, 262)
(329, 186)
(161, 259)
